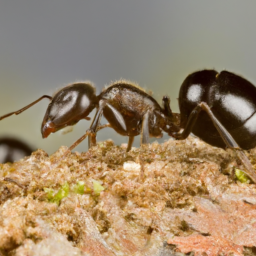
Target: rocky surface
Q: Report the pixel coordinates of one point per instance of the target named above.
(160, 199)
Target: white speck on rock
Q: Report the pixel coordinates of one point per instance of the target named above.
(131, 166)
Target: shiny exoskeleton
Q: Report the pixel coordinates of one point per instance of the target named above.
(232, 100)
(130, 111)
(219, 108)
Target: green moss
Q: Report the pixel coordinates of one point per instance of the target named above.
(97, 188)
(50, 193)
(241, 176)
(56, 197)
(78, 188)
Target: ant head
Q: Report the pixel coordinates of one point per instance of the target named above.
(69, 105)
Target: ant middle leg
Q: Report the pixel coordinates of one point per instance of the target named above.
(144, 139)
(130, 142)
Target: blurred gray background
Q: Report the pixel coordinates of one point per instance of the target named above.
(45, 45)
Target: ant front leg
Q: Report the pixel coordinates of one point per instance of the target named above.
(225, 135)
(92, 136)
(95, 124)
(92, 130)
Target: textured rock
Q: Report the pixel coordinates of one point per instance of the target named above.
(183, 192)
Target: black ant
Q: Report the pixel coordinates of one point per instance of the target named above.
(129, 110)
(226, 100)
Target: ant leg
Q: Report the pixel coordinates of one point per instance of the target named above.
(92, 140)
(225, 135)
(145, 129)
(130, 142)
(115, 116)
(88, 133)
(95, 124)
(92, 136)
(76, 143)
(230, 142)
(189, 126)
(25, 108)
(102, 127)
(144, 139)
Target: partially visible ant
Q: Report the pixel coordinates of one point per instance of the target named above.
(225, 98)
(13, 149)
(219, 108)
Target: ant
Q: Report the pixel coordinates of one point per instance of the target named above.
(12, 149)
(129, 110)
(225, 98)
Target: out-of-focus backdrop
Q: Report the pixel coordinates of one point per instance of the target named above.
(45, 45)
